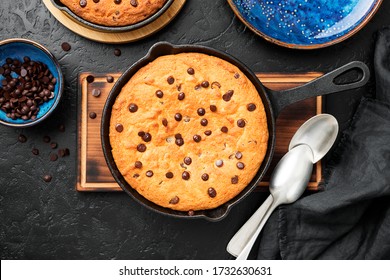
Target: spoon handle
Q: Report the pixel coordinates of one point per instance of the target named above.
(241, 238)
(248, 247)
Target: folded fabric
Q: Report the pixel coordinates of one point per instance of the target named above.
(350, 219)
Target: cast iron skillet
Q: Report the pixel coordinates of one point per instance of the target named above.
(137, 25)
(274, 102)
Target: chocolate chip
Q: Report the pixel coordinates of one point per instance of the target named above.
(191, 71)
(147, 137)
(181, 96)
(22, 138)
(119, 127)
(238, 155)
(35, 151)
(46, 139)
(178, 117)
(201, 111)
(134, 3)
(170, 80)
(133, 108)
(204, 122)
(205, 176)
(178, 136)
(149, 173)
(117, 1)
(159, 94)
(23, 72)
(215, 84)
(219, 163)
(53, 145)
(53, 157)
(136, 175)
(228, 95)
(205, 84)
(96, 92)
(164, 122)
(174, 200)
(224, 129)
(236, 75)
(138, 164)
(66, 46)
(187, 160)
(90, 79)
(241, 123)
(197, 138)
(47, 178)
(234, 180)
(213, 108)
(61, 128)
(141, 148)
(169, 175)
(110, 79)
(96, 1)
(179, 142)
(117, 52)
(61, 153)
(191, 213)
(83, 3)
(141, 134)
(92, 115)
(212, 192)
(240, 165)
(207, 132)
(251, 107)
(185, 175)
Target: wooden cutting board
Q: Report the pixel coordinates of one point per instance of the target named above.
(93, 173)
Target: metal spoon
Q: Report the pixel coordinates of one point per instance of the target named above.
(319, 129)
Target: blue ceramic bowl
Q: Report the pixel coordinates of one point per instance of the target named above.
(305, 24)
(19, 48)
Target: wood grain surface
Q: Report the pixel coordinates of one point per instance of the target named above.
(94, 174)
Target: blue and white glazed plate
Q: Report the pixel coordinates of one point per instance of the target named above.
(305, 24)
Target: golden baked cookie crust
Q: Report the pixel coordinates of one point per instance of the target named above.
(164, 115)
(114, 12)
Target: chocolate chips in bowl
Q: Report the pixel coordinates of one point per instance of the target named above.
(31, 82)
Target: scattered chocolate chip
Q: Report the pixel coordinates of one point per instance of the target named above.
(212, 192)
(47, 178)
(22, 138)
(65, 46)
(147, 137)
(164, 122)
(169, 175)
(228, 95)
(119, 127)
(141, 134)
(224, 129)
(67, 152)
(138, 164)
(204, 122)
(149, 173)
(187, 160)
(53, 145)
(205, 176)
(234, 180)
(213, 108)
(174, 200)
(207, 132)
(46, 139)
(197, 87)
(117, 52)
(96, 1)
(251, 107)
(110, 79)
(136, 175)
(178, 117)
(215, 84)
(141, 148)
(205, 84)
(90, 79)
(236, 75)
(35, 151)
(92, 115)
(181, 96)
(159, 94)
(240, 165)
(238, 155)
(201, 111)
(191, 213)
(134, 3)
(61, 128)
(178, 136)
(117, 1)
(185, 175)
(83, 3)
(179, 142)
(197, 138)
(61, 153)
(96, 92)
(241, 123)
(191, 71)
(53, 157)
(133, 108)
(170, 80)
(219, 163)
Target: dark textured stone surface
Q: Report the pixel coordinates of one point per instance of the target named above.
(53, 221)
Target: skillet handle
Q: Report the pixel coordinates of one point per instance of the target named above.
(320, 86)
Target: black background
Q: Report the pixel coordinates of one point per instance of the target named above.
(41, 220)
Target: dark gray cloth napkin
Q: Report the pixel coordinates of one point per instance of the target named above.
(350, 219)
